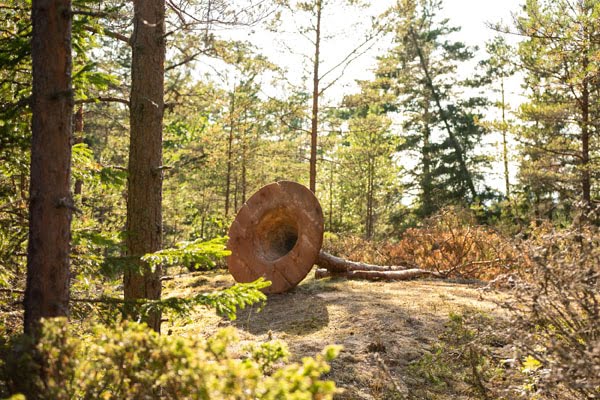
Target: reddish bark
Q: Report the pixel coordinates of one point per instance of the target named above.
(50, 201)
(314, 123)
(78, 138)
(144, 196)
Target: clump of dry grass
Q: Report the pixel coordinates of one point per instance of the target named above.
(450, 243)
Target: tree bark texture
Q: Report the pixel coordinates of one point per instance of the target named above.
(504, 142)
(315, 103)
(50, 201)
(229, 153)
(586, 184)
(78, 138)
(144, 218)
(427, 207)
(370, 196)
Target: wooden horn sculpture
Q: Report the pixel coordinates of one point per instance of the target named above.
(277, 235)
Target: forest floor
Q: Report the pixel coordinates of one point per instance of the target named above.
(384, 327)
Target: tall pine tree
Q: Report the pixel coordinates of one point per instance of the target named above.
(439, 122)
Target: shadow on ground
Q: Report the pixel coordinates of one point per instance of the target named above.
(384, 327)
(295, 313)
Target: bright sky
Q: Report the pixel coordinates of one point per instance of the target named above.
(346, 27)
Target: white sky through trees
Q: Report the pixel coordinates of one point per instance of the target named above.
(344, 27)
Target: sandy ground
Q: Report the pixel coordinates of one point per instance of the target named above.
(383, 326)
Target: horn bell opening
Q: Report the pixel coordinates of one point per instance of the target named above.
(276, 234)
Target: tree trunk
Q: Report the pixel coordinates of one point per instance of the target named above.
(244, 157)
(331, 196)
(235, 193)
(229, 153)
(585, 141)
(315, 103)
(504, 142)
(370, 195)
(51, 204)
(144, 218)
(78, 138)
(427, 206)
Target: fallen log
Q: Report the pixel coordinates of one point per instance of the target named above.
(400, 275)
(337, 264)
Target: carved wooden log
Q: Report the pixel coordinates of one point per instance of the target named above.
(278, 235)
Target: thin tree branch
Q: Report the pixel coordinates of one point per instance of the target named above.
(103, 99)
(109, 33)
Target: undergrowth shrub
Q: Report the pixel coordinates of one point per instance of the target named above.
(547, 343)
(471, 356)
(556, 311)
(476, 356)
(356, 248)
(130, 361)
(452, 243)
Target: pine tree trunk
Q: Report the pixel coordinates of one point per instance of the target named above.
(585, 141)
(244, 157)
(144, 217)
(458, 150)
(332, 266)
(229, 154)
(370, 195)
(400, 275)
(331, 197)
(427, 206)
(505, 143)
(50, 206)
(315, 103)
(78, 128)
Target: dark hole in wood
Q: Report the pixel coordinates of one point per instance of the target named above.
(276, 234)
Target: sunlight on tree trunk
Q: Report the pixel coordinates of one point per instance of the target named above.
(314, 121)
(51, 204)
(144, 216)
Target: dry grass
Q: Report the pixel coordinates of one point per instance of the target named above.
(383, 326)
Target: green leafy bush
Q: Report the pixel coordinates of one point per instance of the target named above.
(130, 361)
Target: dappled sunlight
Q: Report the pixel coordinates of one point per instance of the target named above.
(378, 323)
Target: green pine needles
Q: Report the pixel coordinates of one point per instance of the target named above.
(195, 255)
(226, 302)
